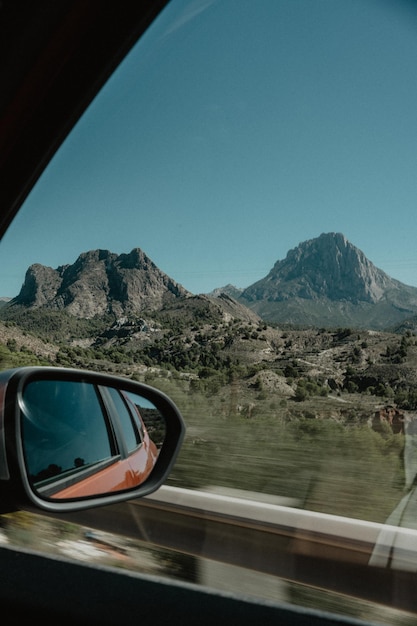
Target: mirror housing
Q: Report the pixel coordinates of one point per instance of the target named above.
(73, 439)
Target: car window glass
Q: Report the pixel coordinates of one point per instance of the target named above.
(130, 431)
(233, 222)
(64, 428)
(219, 146)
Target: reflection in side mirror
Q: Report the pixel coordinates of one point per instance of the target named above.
(83, 439)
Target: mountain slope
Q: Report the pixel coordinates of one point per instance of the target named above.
(327, 281)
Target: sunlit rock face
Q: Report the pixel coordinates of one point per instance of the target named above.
(100, 282)
(328, 282)
(328, 266)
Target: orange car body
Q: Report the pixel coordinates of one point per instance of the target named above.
(120, 475)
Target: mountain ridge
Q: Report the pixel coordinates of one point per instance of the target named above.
(324, 282)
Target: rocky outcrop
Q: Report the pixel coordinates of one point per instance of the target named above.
(40, 286)
(100, 282)
(391, 416)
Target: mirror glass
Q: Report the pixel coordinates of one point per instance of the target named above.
(81, 439)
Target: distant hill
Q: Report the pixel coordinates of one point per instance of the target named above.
(327, 281)
(229, 290)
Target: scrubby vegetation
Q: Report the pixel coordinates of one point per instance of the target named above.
(283, 411)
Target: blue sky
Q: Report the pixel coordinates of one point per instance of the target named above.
(232, 132)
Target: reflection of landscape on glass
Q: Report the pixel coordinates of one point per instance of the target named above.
(64, 429)
(81, 439)
(333, 452)
(155, 422)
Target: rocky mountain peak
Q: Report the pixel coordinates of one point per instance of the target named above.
(136, 259)
(328, 266)
(100, 282)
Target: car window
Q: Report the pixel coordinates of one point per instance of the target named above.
(146, 414)
(233, 222)
(64, 429)
(130, 432)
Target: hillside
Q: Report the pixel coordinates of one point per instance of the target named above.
(213, 350)
(121, 313)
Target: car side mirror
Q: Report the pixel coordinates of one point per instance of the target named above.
(73, 439)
